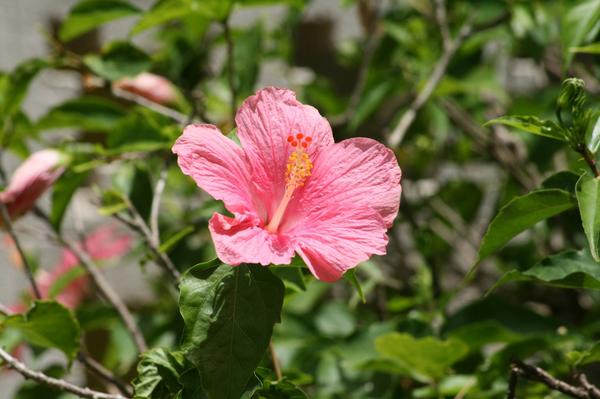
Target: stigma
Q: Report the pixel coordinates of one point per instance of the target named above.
(298, 169)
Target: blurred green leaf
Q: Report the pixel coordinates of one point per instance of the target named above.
(89, 14)
(350, 276)
(581, 358)
(531, 124)
(50, 325)
(577, 24)
(88, 113)
(521, 213)
(292, 277)
(334, 320)
(229, 313)
(283, 389)
(13, 87)
(247, 56)
(588, 197)
(593, 48)
(62, 192)
(427, 359)
(161, 12)
(176, 238)
(118, 60)
(570, 269)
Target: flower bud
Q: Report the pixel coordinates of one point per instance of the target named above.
(150, 86)
(31, 179)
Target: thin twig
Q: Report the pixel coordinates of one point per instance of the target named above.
(589, 159)
(375, 34)
(230, 67)
(138, 224)
(100, 281)
(100, 371)
(180, 118)
(442, 21)
(436, 76)
(512, 384)
(593, 391)
(26, 265)
(538, 374)
(275, 360)
(53, 382)
(154, 210)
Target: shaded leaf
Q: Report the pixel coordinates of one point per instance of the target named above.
(522, 213)
(118, 60)
(531, 124)
(87, 113)
(50, 325)
(229, 313)
(563, 180)
(89, 14)
(577, 24)
(62, 192)
(588, 197)
(426, 359)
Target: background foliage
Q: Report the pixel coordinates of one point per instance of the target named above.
(444, 313)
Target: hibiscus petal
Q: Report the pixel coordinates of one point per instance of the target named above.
(217, 164)
(242, 240)
(357, 171)
(264, 122)
(337, 239)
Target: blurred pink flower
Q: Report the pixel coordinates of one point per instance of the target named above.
(148, 85)
(104, 243)
(31, 179)
(291, 188)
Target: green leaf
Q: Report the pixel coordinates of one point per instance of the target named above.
(350, 276)
(229, 313)
(88, 113)
(169, 243)
(283, 389)
(522, 213)
(62, 192)
(334, 320)
(64, 280)
(593, 48)
(588, 197)
(592, 137)
(161, 12)
(163, 374)
(50, 325)
(89, 14)
(570, 269)
(291, 276)
(531, 124)
(426, 359)
(247, 56)
(118, 60)
(581, 358)
(577, 24)
(14, 88)
(563, 180)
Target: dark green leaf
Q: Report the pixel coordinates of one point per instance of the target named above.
(426, 359)
(522, 213)
(50, 325)
(62, 192)
(169, 243)
(229, 313)
(588, 197)
(563, 180)
(283, 389)
(531, 124)
(87, 113)
(292, 277)
(570, 269)
(89, 14)
(161, 12)
(247, 57)
(118, 60)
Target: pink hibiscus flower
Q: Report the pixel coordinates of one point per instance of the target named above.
(31, 179)
(291, 189)
(153, 87)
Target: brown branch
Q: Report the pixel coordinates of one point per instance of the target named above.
(101, 282)
(5, 217)
(101, 372)
(589, 159)
(53, 382)
(538, 374)
(230, 67)
(441, 18)
(275, 360)
(512, 384)
(397, 135)
(593, 391)
(180, 118)
(138, 224)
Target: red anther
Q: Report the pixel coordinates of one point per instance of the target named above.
(290, 138)
(294, 143)
(304, 144)
(299, 136)
(308, 139)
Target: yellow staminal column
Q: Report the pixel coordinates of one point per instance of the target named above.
(298, 169)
